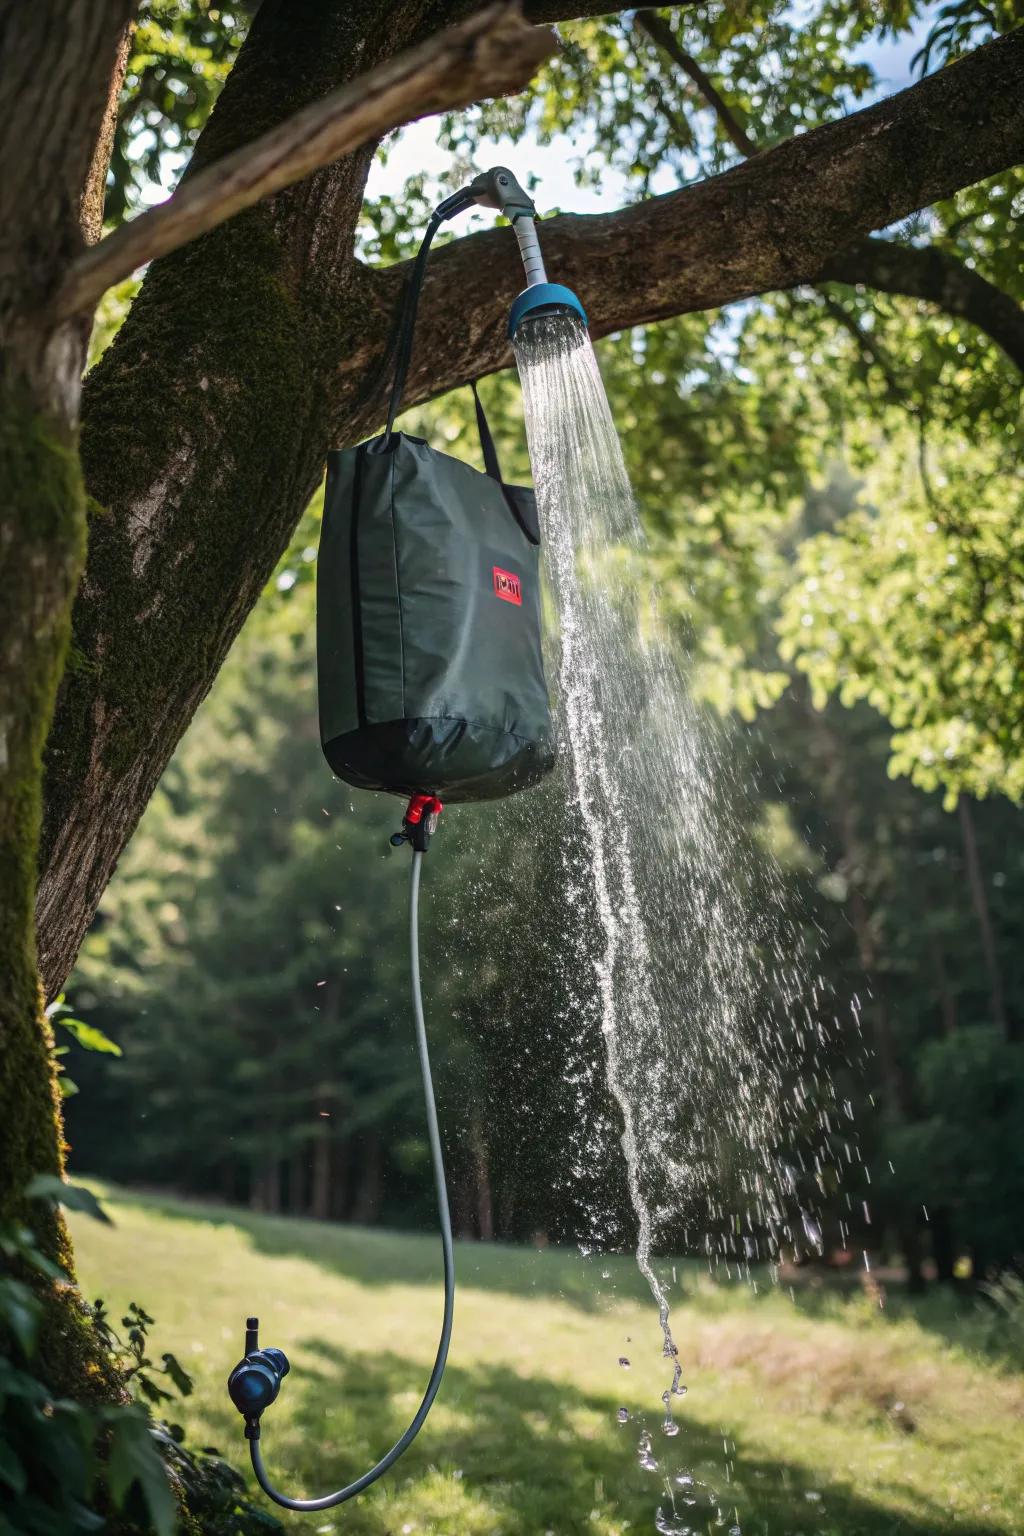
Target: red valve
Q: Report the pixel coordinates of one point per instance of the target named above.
(419, 822)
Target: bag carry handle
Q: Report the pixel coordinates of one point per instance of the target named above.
(487, 447)
(407, 326)
(406, 330)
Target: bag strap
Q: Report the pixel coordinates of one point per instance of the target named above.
(406, 331)
(487, 447)
(407, 327)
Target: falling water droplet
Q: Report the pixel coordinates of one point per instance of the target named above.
(644, 1453)
(812, 1231)
(624, 1362)
(623, 1415)
(671, 1525)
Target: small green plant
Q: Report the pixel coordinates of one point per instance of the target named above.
(88, 1036)
(131, 1358)
(55, 1454)
(67, 1466)
(1006, 1298)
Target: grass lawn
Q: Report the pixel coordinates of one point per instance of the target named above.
(819, 1414)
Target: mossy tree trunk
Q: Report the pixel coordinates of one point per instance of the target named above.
(50, 132)
(55, 90)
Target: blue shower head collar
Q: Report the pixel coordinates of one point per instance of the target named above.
(541, 299)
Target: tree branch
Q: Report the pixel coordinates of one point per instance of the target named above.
(493, 51)
(928, 272)
(661, 34)
(547, 11)
(915, 272)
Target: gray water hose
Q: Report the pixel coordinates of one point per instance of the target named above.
(437, 1158)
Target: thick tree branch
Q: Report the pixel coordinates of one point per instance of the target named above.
(95, 188)
(915, 272)
(773, 222)
(939, 277)
(493, 51)
(546, 11)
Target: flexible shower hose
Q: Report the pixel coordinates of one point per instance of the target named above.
(434, 1134)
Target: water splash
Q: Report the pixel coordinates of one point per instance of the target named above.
(695, 949)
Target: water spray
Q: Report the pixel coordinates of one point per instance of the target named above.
(425, 689)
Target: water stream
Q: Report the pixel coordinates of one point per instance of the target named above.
(708, 1082)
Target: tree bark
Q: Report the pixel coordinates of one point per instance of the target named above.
(371, 1180)
(48, 139)
(250, 351)
(983, 917)
(484, 1201)
(852, 863)
(943, 1245)
(320, 1195)
(55, 79)
(940, 278)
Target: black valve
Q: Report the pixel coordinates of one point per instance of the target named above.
(256, 1380)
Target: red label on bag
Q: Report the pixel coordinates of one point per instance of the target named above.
(507, 587)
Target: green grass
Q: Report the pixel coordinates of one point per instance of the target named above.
(822, 1414)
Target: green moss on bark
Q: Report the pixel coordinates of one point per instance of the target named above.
(41, 556)
(41, 552)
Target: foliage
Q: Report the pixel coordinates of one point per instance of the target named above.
(131, 1358)
(916, 608)
(69, 1467)
(1006, 1296)
(54, 1452)
(86, 1035)
(964, 1151)
(181, 55)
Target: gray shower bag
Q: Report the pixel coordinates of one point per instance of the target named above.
(429, 667)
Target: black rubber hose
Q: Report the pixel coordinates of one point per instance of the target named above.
(437, 1157)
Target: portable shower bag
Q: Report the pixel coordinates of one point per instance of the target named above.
(429, 665)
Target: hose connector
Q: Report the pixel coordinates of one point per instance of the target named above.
(498, 188)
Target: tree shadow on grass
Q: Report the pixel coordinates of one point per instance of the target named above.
(523, 1455)
(379, 1256)
(375, 1256)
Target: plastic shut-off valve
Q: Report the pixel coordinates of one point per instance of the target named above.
(256, 1380)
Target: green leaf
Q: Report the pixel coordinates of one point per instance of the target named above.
(75, 1197)
(90, 1037)
(68, 1088)
(20, 1311)
(134, 1460)
(19, 1243)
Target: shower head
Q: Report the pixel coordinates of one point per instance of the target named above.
(498, 188)
(543, 299)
